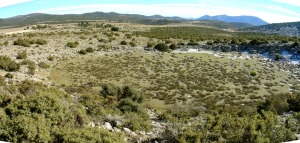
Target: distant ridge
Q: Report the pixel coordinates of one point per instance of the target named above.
(288, 29)
(23, 20)
(241, 19)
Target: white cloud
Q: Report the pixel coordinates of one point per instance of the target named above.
(182, 10)
(5, 3)
(290, 2)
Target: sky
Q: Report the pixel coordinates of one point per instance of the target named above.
(272, 11)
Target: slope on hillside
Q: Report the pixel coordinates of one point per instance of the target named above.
(39, 18)
(243, 19)
(222, 25)
(289, 29)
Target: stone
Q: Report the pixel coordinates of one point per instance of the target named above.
(116, 130)
(92, 124)
(108, 126)
(127, 131)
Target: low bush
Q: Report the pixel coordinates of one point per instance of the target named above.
(123, 43)
(44, 65)
(72, 44)
(82, 52)
(161, 47)
(90, 50)
(22, 55)
(8, 65)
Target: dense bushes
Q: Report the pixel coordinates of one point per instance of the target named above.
(8, 65)
(47, 115)
(25, 42)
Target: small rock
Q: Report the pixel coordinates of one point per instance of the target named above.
(92, 124)
(127, 131)
(108, 126)
(116, 130)
(142, 133)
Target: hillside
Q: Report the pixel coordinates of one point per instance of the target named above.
(221, 24)
(35, 18)
(242, 19)
(289, 29)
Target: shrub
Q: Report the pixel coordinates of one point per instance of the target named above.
(9, 75)
(132, 44)
(22, 55)
(40, 41)
(150, 45)
(209, 43)
(173, 46)
(253, 73)
(115, 29)
(43, 65)
(51, 58)
(193, 44)
(2, 82)
(31, 69)
(82, 52)
(162, 47)
(90, 50)
(6, 43)
(72, 44)
(8, 65)
(277, 57)
(22, 42)
(123, 43)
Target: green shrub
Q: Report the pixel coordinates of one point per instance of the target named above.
(150, 45)
(22, 42)
(72, 44)
(5, 43)
(277, 57)
(115, 29)
(162, 47)
(44, 65)
(82, 52)
(132, 44)
(8, 65)
(31, 69)
(22, 55)
(209, 43)
(173, 46)
(51, 58)
(123, 43)
(90, 50)
(40, 41)
(2, 81)
(253, 73)
(9, 75)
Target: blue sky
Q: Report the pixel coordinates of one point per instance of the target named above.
(272, 11)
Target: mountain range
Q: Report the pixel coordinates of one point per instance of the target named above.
(244, 23)
(241, 19)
